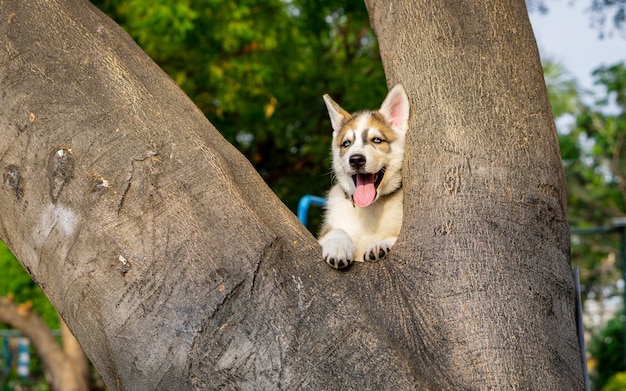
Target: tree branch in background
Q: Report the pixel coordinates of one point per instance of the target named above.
(64, 376)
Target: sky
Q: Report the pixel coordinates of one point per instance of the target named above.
(565, 34)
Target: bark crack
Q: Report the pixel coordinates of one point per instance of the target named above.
(231, 292)
(60, 171)
(120, 206)
(269, 252)
(129, 180)
(13, 179)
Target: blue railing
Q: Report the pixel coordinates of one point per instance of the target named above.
(304, 205)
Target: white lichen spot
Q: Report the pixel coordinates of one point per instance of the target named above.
(58, 218)
(125, 264)
(101, 183)
(299, 287)
(63, 151)
(67, 221)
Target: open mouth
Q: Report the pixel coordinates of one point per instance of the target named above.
(365, 187)
(373, 178)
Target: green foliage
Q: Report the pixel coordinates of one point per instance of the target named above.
(17, 283)
(594, 154)
(614, 79)
(36, 381)
(562, 89)
(258, 69)
(607, 350)
(616, 383)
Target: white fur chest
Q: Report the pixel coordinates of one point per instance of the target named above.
(379, 221)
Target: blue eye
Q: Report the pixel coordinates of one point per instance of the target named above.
(346, 144)
(377, 140)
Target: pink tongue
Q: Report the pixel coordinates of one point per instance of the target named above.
(365, 191)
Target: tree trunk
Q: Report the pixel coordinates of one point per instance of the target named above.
(177, 268)
(74, 353)
(485, 235)
(62, 374)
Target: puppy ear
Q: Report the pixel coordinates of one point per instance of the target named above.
(336, 113)
(395, 109)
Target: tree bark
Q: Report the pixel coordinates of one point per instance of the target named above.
(485, 233)
(176, 267)
(21, 317)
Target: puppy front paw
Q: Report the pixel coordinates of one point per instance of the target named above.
(378, 250)
(338, 262)
(337, 249)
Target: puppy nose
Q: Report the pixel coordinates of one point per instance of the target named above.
(357, 161)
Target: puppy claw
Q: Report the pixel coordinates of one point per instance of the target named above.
(378, 251)
(338, 263)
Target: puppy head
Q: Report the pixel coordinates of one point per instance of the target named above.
(368, 147)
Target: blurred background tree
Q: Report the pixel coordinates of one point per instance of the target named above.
(608, 17)
(606, 348)
(593, 148)
(16, 283)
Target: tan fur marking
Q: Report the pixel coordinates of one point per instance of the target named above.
(378, 128)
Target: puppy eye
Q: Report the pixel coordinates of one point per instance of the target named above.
(346, 144)
(377, 140)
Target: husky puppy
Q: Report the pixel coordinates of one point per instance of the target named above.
(364, 208)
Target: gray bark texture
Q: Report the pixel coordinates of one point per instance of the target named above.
(176, 267)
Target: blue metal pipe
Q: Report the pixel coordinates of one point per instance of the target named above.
(304, 205)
